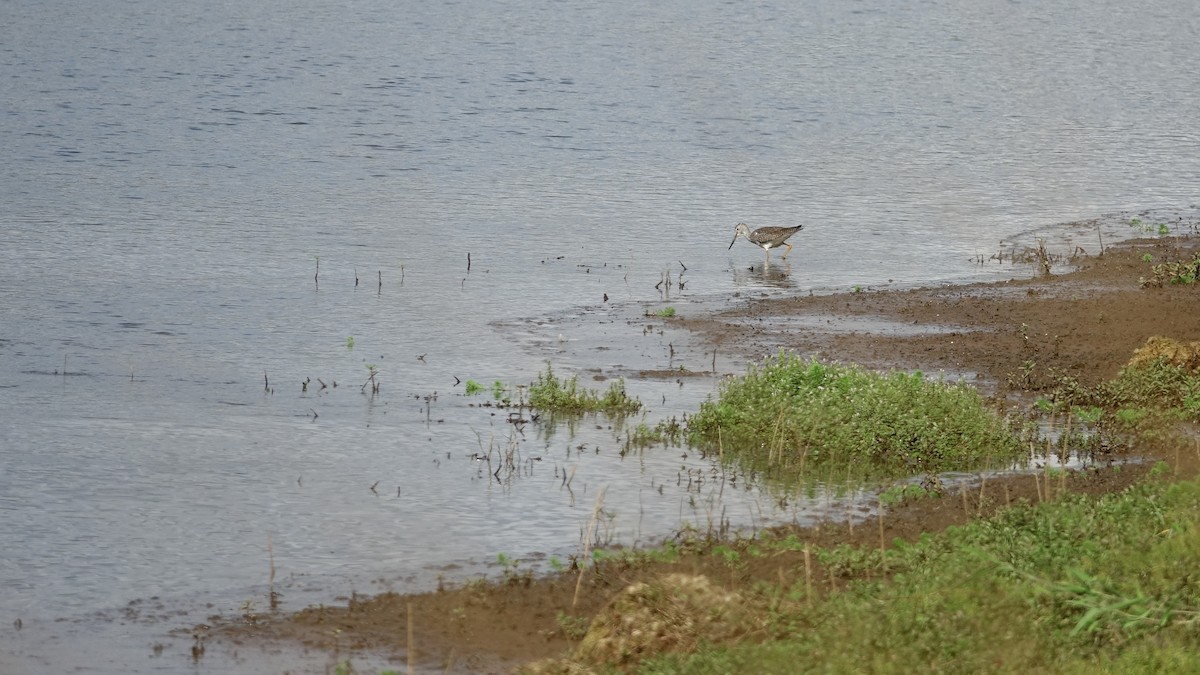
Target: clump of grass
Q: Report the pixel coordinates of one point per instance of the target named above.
(566, 395)
(790, 416)
(898, 494)
(666, 431)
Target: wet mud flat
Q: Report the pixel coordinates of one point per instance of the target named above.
(1009, 337)
(1083, 322)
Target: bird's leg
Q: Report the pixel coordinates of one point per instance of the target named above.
(785, 255)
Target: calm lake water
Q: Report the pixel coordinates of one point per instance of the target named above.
(200, 196)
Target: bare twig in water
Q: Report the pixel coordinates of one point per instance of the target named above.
(272, 596)
(587, 542)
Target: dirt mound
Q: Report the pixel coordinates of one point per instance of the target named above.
(673, 613)
(1185, 355)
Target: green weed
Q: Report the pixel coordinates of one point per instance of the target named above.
(1179, 272)
(1152, 392)
(789, 416)
(565, 395)
(666, 431)
(512, 575)
(899, 494)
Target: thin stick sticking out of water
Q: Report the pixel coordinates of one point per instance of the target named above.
(882, 545)
(272, 598)
(849, 503)
(587, 542)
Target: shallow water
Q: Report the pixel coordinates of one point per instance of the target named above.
(201, 197)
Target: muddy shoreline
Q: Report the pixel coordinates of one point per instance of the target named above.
(1011, 338)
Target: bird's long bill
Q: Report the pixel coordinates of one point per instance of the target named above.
(732, 242)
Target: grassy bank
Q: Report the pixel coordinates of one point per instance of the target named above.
(1070, 585)
(1061, 587)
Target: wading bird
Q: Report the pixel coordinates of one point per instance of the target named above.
(766, 238)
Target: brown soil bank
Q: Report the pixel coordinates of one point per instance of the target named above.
(1015, 335)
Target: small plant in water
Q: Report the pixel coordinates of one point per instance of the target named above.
(473, 387)
(350, 342)
(551, 393)
(511, 575)
(791, 415)
(898, 494)
(371, 382)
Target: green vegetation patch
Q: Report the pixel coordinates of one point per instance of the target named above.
(1064, 586)
(1161, 383)
(792, 416)
(552, 394)
(1178, 272)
